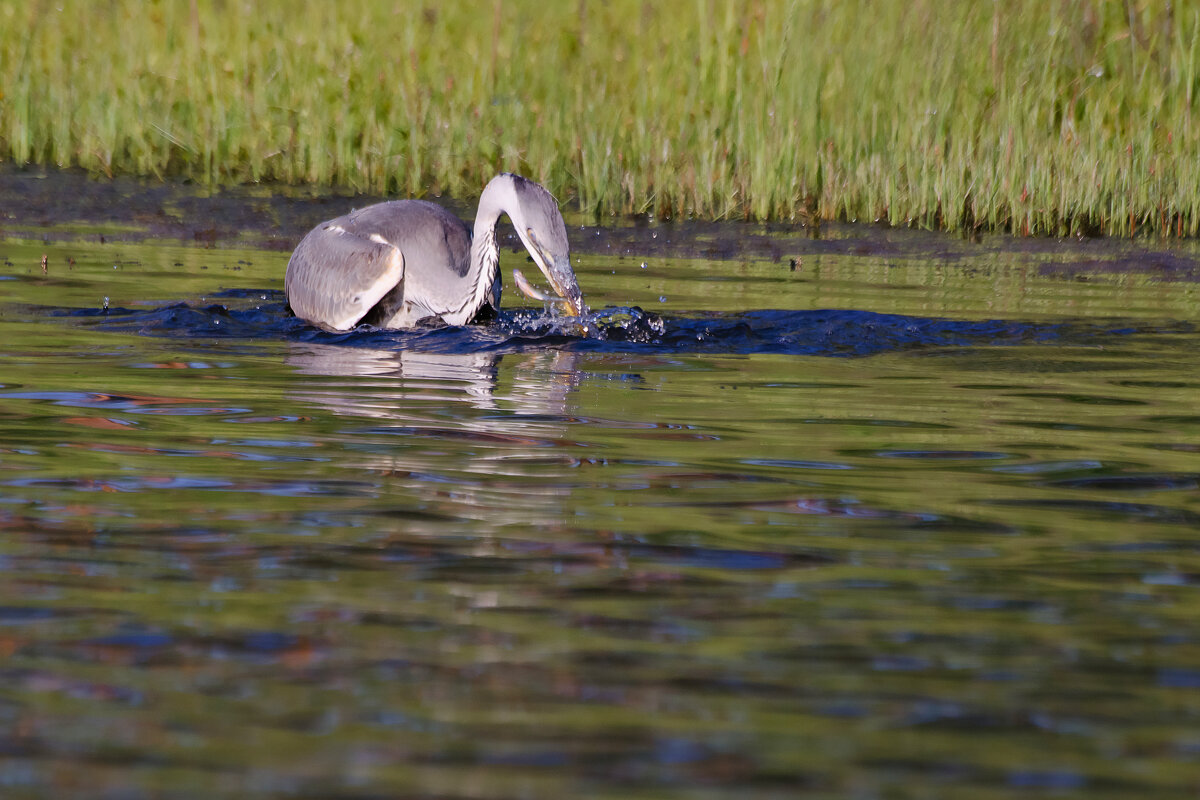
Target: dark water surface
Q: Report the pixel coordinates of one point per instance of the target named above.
(916, 518)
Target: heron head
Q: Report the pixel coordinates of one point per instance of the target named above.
(544, 234)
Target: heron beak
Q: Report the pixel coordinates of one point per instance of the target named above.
(562, 278)
(558, 271)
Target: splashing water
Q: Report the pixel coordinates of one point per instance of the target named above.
(255, 314)
(613, 324)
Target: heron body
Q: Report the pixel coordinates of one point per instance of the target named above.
(397, 263)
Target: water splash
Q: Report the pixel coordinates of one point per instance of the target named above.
(258, 314)
(613, 324)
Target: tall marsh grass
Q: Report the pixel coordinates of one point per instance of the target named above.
(1036, 116)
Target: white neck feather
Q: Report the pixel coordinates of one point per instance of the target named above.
(498, 198)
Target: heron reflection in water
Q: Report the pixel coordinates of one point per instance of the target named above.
(396, 264)
(541, 381)
(487, 424)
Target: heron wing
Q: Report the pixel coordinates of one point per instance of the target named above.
(336, 275)
(435, 242)
(436, 246)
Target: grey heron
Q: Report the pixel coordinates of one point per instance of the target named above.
(394, 264)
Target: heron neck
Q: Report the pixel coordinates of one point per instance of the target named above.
(485, 250)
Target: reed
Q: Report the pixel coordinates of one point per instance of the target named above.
(1035, 116)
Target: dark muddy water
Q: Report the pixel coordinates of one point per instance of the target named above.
(912, 516)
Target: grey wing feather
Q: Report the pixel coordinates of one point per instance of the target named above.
(336, 276)
(433, 239)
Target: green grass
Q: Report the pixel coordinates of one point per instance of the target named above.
(1035, 116)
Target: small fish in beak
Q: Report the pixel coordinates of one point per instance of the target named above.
(572, 300)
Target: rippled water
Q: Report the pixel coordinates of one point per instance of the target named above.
(912, 517)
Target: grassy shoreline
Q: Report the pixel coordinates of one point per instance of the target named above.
(1033, 117)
